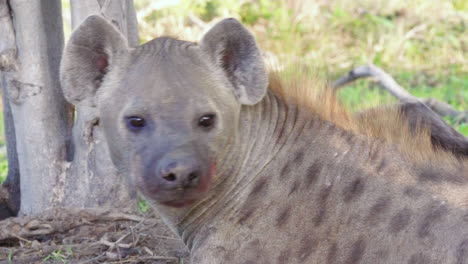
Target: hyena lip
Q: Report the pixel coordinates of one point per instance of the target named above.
(179, 203)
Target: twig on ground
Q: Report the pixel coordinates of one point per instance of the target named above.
(115, 244)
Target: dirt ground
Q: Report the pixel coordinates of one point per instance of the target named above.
(89, 236)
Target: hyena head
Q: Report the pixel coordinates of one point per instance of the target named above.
(168, 107)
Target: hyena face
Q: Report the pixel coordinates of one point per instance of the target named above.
(173, 120)
(167, 107)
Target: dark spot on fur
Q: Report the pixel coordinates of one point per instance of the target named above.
(284, 256)
(246, 214)
(285, 171)
(465, 218)
(433, 174)
(348, 137)
(374, 154)
(433, 215)
(312, 123)
(419, 258)
(259, 187)
(462, 252)
(382, 165)
(283, 217)
(312, 174)
(428, 174)
(357, 251)
(299, 158)
(222, 251)
(380, 206)
(318, 220)
(294, 187)
(308, 246)
(330, 128)
(413, 192)
(322, 205)
(400, 220)
(382, 254)
(332, 253)
(254, 244)
(353, 190)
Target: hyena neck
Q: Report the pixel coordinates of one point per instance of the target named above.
(340, 176)
(263, 130)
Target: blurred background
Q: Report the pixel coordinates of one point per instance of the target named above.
(423, 44)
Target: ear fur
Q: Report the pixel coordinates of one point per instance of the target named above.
(231, 46)
(88, 55)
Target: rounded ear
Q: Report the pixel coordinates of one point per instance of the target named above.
(231, 46)
(89, 53)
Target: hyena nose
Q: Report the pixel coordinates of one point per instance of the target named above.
(180, 173)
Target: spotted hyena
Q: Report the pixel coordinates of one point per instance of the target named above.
(246, 169)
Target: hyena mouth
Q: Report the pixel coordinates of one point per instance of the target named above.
(179, 203)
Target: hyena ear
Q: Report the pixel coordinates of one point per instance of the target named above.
(89, 54)
(231, 46)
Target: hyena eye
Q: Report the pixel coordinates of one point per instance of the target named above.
(135, 122)
(207, 121)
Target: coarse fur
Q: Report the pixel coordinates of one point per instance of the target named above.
(386, 123)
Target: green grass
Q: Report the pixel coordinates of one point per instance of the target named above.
(143, 206)
(59, 256)
(3, 168)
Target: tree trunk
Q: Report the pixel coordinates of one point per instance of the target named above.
(121, 13)
(40, 114)
(62, 161)
(93, 179)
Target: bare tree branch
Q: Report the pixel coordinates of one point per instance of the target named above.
(444, 109)
(388, 83)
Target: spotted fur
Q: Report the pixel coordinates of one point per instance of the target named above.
(289, 175)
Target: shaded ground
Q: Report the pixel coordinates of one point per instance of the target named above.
(89, 236)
